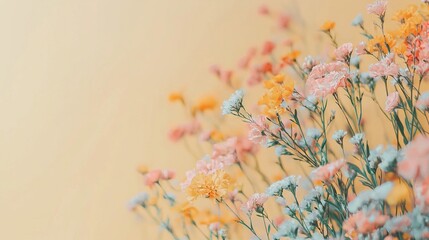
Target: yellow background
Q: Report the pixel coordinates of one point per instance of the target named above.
(83, 87)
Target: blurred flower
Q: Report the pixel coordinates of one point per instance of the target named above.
(392, 101)
(176, 97)
(327, 26)
(423, 101)
(234, 103)
(255, 201)
(364, 222)
(139, 200)
(326, 172)
(268, 48)
(378, 7)
(386, 67)
(358, 20)
(415, 165)
(204, 104)
(325, 79)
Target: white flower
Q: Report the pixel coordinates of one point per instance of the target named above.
(377, 194)
(233, 104)
(313, 133)
(339, 135)
(357, 138)
(287, 229)
(280, 150)
(389, 159)
(355, 61)
(289, 183)
(139, 200)
(310, 103)
(375, 156)
(358, 20)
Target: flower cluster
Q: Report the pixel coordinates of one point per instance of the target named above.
(351, 143)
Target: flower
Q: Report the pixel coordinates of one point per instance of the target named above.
(327, 26)
(255, 201)
(415, 165)
(379, 193)
(288, 183)
(339, 135)
(139, 200)
(268, 47)
(378, 7)
(423, 101)
(392, 101)
(190, 128)
(364, 222)
(357, 138)
(280, 90)
(204, 104)
(152, 177)
(213, 186)
(358, 20)
(288, 228)
(176, 96)
(257, 130)
(386, 67)
(167, 174)
(234, 103)
(325, 79)
(342, 53)
(360, 49)
(326, 172)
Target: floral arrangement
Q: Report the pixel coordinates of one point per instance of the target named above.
(315, 113)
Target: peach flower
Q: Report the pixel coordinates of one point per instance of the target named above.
(415, 165)
(326, 172)
(392, 101)
(325, 79)
(152, 177)
(360, 49)
(255, 201)
(268, 48)
(364, 222)
(343, 52)
(386, 67)
(176, 134)
(256, 132)
(378, 7)
(167, 174)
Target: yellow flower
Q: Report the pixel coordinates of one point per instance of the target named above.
(188, 211)
(327, 26)
(279, 89)
(143, 169)
(401, 192)
(176, 96)
(214, 186)
(381, 43)
(204, 104)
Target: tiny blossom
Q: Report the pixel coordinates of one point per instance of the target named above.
(378, 7)
(288, 228)
(288, 183)
(355, 61)
(386, 67)
(233, 104)
(326, 172)
(375, 156)
(360, 49)
(379, 193)
(357, 138)
(392, 101)
(139, 200)
(389, 159)
(423, 101)
(255, 201)
(339, 135)
(310, 103)
(342, 53)
(326, 78)
(358, 20)
(314, 133)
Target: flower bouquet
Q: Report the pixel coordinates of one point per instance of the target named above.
(308, 163)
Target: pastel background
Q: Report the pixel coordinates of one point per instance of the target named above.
(83, 88)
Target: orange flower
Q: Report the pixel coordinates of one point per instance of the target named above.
(279, 89)
(291, 57)
(204, 104)
(213, 186)
(216, 136)
(143, 169)
(381, 43)
(327, 26)
(188, 211)
(176, 96)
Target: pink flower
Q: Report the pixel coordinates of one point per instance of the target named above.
(264, 10)
(245, 61)
(152, 177)
(209, 166)
(386, 67)
(268, 48)
(257, 129)
(326, 172)
(360, 49)
(244, 145)
(378, 7)
(284, 20)
(392, 101)
(364, 222)
(415, 165)
(342, 53)
(255, 201)
(192, 127)
(167, 174)
(225, 152)
(326, 78)
(176, 134)
(224, 76)
(189, 176)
